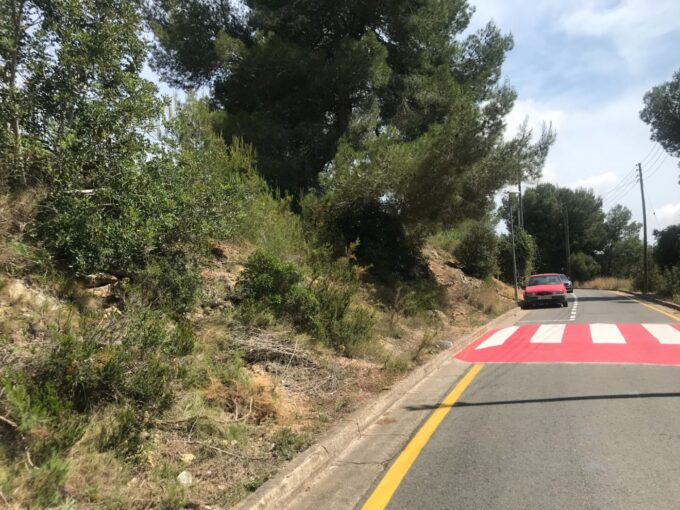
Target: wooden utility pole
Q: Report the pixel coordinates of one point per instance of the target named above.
(644, 231)
(520, 212)
(567, 250)
(514, 257)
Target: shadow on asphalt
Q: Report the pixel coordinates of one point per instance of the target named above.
(548, 400)
(617, 299)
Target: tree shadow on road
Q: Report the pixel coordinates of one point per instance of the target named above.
(548, 400)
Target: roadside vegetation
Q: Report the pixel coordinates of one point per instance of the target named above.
(191, 291)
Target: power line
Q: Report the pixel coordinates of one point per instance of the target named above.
(652, 164)
(620, 194)
(652, 148)
(631, 177)
(655, 148)
(658, 167)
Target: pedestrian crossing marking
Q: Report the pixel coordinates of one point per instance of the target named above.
(498, 338)
(548, 334)
(606, 334)
(664, 333)
(656, 344)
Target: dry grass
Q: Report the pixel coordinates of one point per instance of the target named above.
(606, 283)
(490, 300)
(246, 401)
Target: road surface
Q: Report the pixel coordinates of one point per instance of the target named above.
(562, 410)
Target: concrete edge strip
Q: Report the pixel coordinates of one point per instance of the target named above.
(279, 489)
(651, 299)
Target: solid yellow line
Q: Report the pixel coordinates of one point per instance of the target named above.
(388, 485)
(672, 316)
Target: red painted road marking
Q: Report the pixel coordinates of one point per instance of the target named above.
(656, 344)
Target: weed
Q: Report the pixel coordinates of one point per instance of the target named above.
(121, 433)
(287, 443)
(46, 482)
(396, 365)
(424, 345)
(254, 484)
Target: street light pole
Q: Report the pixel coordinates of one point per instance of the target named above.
(514, 257)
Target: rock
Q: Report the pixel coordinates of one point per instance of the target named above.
(185, 478)
(444, 344)
(188, 458)
(99, 280)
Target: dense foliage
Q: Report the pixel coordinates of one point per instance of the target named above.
(400, 129)
(662, 113)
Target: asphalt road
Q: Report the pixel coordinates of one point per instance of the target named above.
(593, 306)
(557, 435)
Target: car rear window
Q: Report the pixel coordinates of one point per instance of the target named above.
(543, 280)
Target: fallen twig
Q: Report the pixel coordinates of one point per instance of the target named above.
(8, 422)
(226, 452)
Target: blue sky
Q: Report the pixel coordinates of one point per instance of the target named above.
(584, 65)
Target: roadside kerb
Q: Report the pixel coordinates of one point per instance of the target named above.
(283, 486)
(653, 299)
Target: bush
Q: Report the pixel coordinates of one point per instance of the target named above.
(583, 267)
(170, 283)
(287, 443)
(477, 250)
(667, 249)
(46, 482)
(125, 361)
(268, 280)
(670, 282)
(322, 308)
(152, 219)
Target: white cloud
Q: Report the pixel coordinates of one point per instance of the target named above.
(537, 114)
(632, 26)
(597, 183)
(667, 215)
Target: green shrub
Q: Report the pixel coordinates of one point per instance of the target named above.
(171, 283)
(477, 250)
(267, 280)
(322, 308)
(303, 308)
(670, 282)
(583, 267)
(287, 443)
(127, 360)
(122, 433)
(151, 219)
(46, 482)
(352, 332)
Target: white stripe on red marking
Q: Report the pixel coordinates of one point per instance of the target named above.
(498, 338)
(606, 334)
(548, 334)
(664, 333)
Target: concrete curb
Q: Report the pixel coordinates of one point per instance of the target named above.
(653, 299)
(283, 486)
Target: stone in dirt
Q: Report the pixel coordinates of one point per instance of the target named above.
(99, 280)
(185, 478)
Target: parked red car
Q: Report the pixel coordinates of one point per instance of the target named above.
(545, 288)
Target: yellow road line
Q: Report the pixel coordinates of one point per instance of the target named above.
(383, 493)
(672, 316)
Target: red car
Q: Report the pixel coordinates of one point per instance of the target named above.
(544, 288)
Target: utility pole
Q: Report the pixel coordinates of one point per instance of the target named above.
(644, 230)
(565, 216)
(514, 257)
(520, 212)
